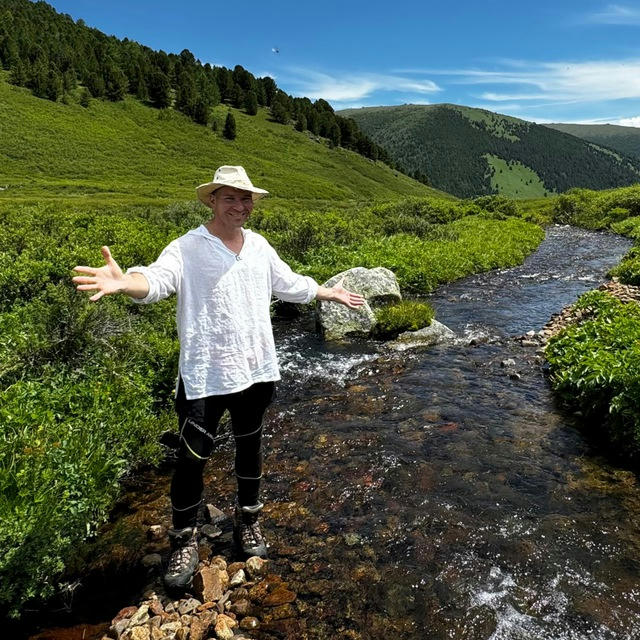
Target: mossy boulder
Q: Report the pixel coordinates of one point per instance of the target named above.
(379, 286)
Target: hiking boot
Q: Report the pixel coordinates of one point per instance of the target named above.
(246, 532)
(184, 558)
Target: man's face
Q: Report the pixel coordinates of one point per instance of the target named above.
(231, 206)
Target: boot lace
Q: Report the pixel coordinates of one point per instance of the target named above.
(250, 533)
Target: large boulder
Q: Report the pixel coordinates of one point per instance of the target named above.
(379, 286)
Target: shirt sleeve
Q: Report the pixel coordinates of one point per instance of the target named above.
(163, 275)
(288, 285)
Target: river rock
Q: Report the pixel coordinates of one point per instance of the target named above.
(279, 597)
(238, 578)
(379, 286)
(256, 567)
(140, 616)
(224, 627)
(200, 626)
(249, 623)
(209, 583)
(189, 605)
(435, 333)
(139, 633)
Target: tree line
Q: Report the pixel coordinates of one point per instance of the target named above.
(55, 56)
(445, 149)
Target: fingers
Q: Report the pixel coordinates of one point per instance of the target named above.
(83, 280)
(90, 270)
(106, 254)
(97, 296)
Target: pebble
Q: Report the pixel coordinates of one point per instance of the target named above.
(238, 578)
(187, 606)
(140, 616)
(156, 532)
(151, 561)
(256, 566)
(510, 362)
(214, 514)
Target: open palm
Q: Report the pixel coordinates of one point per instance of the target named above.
(105, 280)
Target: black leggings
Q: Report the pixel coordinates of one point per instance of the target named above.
(198, 422)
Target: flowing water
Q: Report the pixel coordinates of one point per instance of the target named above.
(436, 494)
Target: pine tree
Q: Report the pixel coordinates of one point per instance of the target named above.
(85, 98)
(201, 111)
(229, 131)
(18, 75)
(251, 103)
(301, 123)
(159, 90)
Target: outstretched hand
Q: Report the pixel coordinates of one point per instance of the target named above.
(346, 297)
(106, 280)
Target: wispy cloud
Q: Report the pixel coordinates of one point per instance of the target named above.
(354, 87)
(614, 14)
(552, 82)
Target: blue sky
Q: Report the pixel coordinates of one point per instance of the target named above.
(572, 61)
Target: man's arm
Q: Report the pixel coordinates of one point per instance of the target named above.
(109, 279)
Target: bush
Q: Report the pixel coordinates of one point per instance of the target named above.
(407, 315)
(595, 367)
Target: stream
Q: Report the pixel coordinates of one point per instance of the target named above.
(435, 493)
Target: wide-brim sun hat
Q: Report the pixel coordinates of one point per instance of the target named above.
(229, 176)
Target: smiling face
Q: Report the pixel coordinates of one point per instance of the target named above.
(231, 207)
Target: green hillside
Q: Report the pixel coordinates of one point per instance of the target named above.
(623, 139)
(115, 150)
(462, 150)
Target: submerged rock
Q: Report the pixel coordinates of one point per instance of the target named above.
(435, 333)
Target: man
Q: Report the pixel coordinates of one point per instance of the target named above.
(224, 277)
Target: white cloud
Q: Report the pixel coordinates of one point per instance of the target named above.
(353, 88)
(629, 122)
(615, 14)
(555, 82)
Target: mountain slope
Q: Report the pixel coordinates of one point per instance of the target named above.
(470, 152)
(126, 150)
(624, 139)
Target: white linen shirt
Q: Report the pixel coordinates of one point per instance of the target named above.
(223, 318)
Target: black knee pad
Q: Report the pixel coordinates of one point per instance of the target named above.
(196, 443)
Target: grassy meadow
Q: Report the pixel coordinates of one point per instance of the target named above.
(86, 388)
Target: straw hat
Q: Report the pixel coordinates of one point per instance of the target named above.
(228, 176)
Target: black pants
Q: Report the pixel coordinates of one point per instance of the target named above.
(198, 421)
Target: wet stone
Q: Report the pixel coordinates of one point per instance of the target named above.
(249, 623)
(234, 567)
(278, 597)
(120, 627)
(211, 531)
(156, 608)
(280, 613)
(209, 584)
(241, 607)
(256, 566)
(151, 561)
(127, 612)
(237, 578)
(214, 515)
(156, 532)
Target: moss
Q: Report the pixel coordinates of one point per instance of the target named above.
(408, 315)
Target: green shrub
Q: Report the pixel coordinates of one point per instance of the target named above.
(595, 367)
(407, 315)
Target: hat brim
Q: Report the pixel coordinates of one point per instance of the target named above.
(206, 189)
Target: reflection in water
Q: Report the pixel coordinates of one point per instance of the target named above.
(433, 495)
